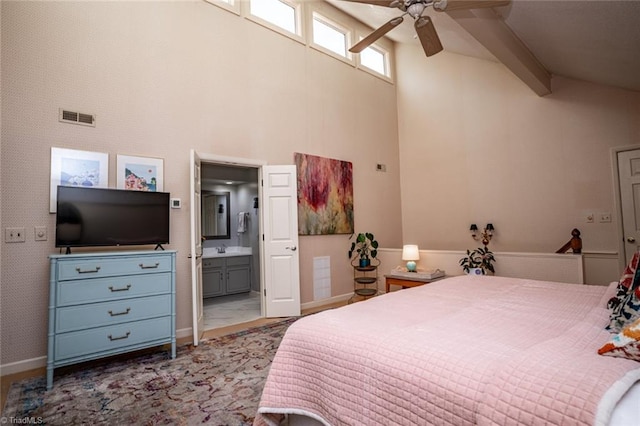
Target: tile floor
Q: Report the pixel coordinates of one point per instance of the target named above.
(233, 309)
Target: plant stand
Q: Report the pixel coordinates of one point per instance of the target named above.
(365, 281)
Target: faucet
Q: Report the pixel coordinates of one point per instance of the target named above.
(222, 249)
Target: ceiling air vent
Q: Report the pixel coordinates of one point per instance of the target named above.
(66, 116)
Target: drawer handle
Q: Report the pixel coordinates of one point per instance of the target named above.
(120, 289)
(143, 266)
(119, 338)
(120, 313)
(87, 271)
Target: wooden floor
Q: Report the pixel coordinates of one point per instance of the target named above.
(6, 381)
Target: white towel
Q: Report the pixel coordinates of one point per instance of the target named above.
(242, 222)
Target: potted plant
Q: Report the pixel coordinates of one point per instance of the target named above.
(365, 247)
(478, 261)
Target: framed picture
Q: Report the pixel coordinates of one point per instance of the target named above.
(325, 195)
(70, 167)
(140, 173)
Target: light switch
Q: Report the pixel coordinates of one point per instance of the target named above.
(604, 218)
(40, 233)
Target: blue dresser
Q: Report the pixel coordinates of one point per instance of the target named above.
(103, 304)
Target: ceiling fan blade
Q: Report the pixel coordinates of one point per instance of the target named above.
(387, 3)
(371, 38)
(428, 35)
(449, 5)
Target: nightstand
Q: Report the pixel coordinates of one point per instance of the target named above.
(405, 281)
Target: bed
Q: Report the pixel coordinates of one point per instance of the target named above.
(460, 351)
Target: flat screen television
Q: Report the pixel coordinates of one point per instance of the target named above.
(92, 217)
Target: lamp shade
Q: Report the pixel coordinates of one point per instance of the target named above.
(410, 252)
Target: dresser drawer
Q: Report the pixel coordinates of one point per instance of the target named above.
(111, 338)
(115, 288)
(74, 269)
(103, 304)
(79, 317)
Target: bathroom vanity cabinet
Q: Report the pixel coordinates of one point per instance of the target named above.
(226, 275)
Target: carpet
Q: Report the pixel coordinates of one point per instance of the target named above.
(219, 382)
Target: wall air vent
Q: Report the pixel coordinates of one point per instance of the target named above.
(66, 116)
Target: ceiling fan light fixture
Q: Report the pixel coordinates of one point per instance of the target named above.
(425, 30)
(416, 9)
(440, 5)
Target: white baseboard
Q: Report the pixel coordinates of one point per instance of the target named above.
(184, 332)
(329, 301)
(24, 365)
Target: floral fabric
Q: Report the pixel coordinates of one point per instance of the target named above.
(625, 305)
(625, 344)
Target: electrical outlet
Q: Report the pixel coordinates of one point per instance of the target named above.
(40, 233)
(381, 167)
(604, 217)
(14, 235)
(589, 218)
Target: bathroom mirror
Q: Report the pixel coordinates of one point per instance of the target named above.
(216, 220)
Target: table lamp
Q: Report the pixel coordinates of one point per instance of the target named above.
(410, 253)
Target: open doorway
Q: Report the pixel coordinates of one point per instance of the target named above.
(231, 245)
(275, 257)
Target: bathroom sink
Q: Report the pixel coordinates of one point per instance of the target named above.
(229, 252)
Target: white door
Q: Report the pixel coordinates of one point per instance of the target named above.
(281, 275)
(196, 248)
(629, 178)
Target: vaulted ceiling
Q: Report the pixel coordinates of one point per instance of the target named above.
(592, 40)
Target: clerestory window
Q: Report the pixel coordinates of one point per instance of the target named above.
(281, 13)
(329, 35)
(375, 59)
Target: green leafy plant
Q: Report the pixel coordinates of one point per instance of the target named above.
(365, 247)
(479, 258)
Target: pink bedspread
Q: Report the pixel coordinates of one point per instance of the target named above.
(465, 350)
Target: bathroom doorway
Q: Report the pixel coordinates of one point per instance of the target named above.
(231, 246)
(276, 257)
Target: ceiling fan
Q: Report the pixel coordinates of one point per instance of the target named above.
(424, 26)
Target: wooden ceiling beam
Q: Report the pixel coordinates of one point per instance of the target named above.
(491, 31)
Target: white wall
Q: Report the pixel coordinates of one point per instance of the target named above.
(163, 78)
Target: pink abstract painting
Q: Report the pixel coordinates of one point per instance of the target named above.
(325, 195)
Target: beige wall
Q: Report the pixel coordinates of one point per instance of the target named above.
(163, 78)
(475, 144)
(478, 146)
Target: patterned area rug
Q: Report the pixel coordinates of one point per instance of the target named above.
(219, 383)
